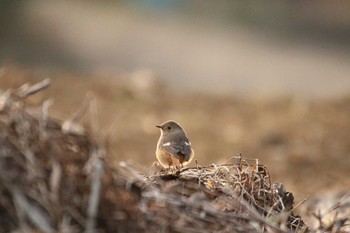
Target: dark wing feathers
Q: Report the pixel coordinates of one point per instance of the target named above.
(177, 145)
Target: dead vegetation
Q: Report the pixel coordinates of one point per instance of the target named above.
(56, 177)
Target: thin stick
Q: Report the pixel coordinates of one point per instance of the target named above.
(94, 196)
(300, 203)
(35, 88)
(37, 217)
(44, 117)
(82, 109)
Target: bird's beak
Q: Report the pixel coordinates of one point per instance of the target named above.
(159, 126)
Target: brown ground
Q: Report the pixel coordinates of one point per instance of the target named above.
(306, 145)
(55, 180)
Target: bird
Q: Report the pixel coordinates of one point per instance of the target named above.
(173, 147)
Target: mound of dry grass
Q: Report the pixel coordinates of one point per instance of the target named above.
(56, 177)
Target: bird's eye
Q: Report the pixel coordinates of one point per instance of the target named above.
(169, 127)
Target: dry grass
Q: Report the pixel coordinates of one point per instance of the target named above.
(56, 177)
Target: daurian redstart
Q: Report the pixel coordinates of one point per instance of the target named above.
(173, 147)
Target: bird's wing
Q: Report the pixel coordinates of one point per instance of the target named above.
(178, 148)
(186, 149)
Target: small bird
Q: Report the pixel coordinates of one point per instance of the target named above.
(173, 147)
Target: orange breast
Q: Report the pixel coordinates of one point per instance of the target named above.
(167, 160)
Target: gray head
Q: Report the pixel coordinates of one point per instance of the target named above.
(169, 127)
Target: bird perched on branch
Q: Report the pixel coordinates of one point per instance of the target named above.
(173, 147)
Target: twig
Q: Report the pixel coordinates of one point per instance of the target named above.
(71, 125)
(300, 203)
(44, 118)
(37, 217)
(55, 180)
(28, 91)
(94, 195)
(5, 100)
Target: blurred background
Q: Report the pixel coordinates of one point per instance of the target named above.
(268, 80)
